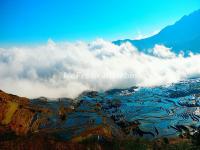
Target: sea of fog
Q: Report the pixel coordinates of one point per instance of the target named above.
(66, 69)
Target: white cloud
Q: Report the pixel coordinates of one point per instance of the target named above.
(67, 69)
(163, 52)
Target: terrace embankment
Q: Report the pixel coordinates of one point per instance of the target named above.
(66, 124)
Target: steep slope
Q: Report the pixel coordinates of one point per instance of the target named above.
(183, 35)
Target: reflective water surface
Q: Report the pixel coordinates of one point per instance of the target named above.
(148, 112)
(158, 111)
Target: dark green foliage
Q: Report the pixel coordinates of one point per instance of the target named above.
(165, 140)
(134, 145)
(196, 138)
(7, 136)
(115, 144)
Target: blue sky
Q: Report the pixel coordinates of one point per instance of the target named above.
(35, 21)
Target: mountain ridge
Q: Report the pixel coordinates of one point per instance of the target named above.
(183, 35)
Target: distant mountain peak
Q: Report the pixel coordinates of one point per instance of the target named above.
(184, 35)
